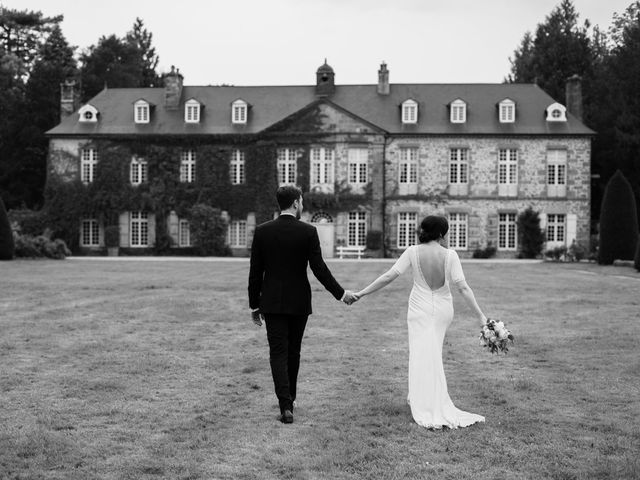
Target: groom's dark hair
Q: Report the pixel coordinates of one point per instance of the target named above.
(286, 195)
(432, 227)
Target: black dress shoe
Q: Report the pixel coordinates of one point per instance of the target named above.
(287, 417)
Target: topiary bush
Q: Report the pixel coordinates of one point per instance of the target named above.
(208, 230)
(618, 221)
(7, 246)
(488, 252)
(530, 235)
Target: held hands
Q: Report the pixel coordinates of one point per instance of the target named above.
(350, 297)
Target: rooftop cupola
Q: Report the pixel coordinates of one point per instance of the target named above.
(325, 80)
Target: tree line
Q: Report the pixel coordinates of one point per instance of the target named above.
(35, 58)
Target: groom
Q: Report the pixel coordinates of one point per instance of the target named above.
(279, 291)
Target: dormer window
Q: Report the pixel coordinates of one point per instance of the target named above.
(141, 111)
(239, 111)
(458, 111)
(88, 113)
(410, 111)
(556, 112)
(507, 111)
(192, 111)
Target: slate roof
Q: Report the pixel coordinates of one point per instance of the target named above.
(271, 104)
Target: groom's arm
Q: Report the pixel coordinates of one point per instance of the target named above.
(256, 272)
(320, 269)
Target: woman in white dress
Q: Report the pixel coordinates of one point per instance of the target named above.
(430, 313)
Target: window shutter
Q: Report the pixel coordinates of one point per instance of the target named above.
(572, 228)
(492, 229)
(152, 229)
(173, 227)
(124, 230)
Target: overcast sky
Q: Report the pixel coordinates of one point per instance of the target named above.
(283, 42)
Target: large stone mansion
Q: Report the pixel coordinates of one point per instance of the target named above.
(372, 159)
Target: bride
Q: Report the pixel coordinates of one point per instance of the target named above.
(430, 313)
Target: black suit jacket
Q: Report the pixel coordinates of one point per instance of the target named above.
(280, 252)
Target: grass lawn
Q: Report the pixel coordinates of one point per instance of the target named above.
(152, 369)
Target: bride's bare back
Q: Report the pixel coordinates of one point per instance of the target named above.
(431, 257)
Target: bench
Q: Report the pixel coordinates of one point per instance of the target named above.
(350, 251)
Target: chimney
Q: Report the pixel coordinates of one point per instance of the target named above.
(383, 80)
(172, 89)
(325, 80)
(69, 97)
(573, 94)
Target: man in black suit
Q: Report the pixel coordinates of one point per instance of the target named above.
(279, 291)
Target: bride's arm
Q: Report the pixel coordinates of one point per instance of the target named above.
(380, 282)
(470, 299)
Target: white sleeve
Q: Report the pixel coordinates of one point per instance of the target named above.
(456, 274)
(403, 262)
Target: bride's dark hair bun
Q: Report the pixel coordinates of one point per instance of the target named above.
(433, 227)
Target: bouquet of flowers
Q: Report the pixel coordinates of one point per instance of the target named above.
(495, 336)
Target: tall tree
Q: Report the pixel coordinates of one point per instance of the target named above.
(560, 48)
(22, 35)
(142, 39)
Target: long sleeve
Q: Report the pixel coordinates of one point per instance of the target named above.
(256, 272)
(320, 269)
(403, 262)
(455, 268)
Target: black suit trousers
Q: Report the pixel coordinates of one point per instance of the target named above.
(284, 333)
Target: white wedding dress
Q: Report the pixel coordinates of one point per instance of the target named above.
(430, 314)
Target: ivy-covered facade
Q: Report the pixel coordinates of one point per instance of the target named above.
(371, 159)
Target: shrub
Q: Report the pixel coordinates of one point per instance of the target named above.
(557, 253)
(30, 246)
(636, 262)
(374, 240)
(208, 230)
(488, 252)
(576, 252)
(530, 236)
(618, 221)
(7, 246)
(112, 236)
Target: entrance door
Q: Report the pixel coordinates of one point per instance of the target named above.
(326, 233)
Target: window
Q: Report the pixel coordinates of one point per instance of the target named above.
(184, 234)
(458, 231)
(90, 233)
(458, 111)
(556, 112)
(139, 227)
(237, 167)
(508, 172)
(507, 232)
(357, 229)
(407, 223)
(556, 173)
(238, 234)
(192, 111)
(141, 112)
(459, 171)
(358, 165)
(408, 165)
(239, 112)
(322, 169)
(556, 228)
(88, 113)
(287, 166)
(138, 171)
(409, 111)
(88, 162)
(188, 166)
(507, 111)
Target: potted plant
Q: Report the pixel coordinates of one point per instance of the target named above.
(112, 240)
